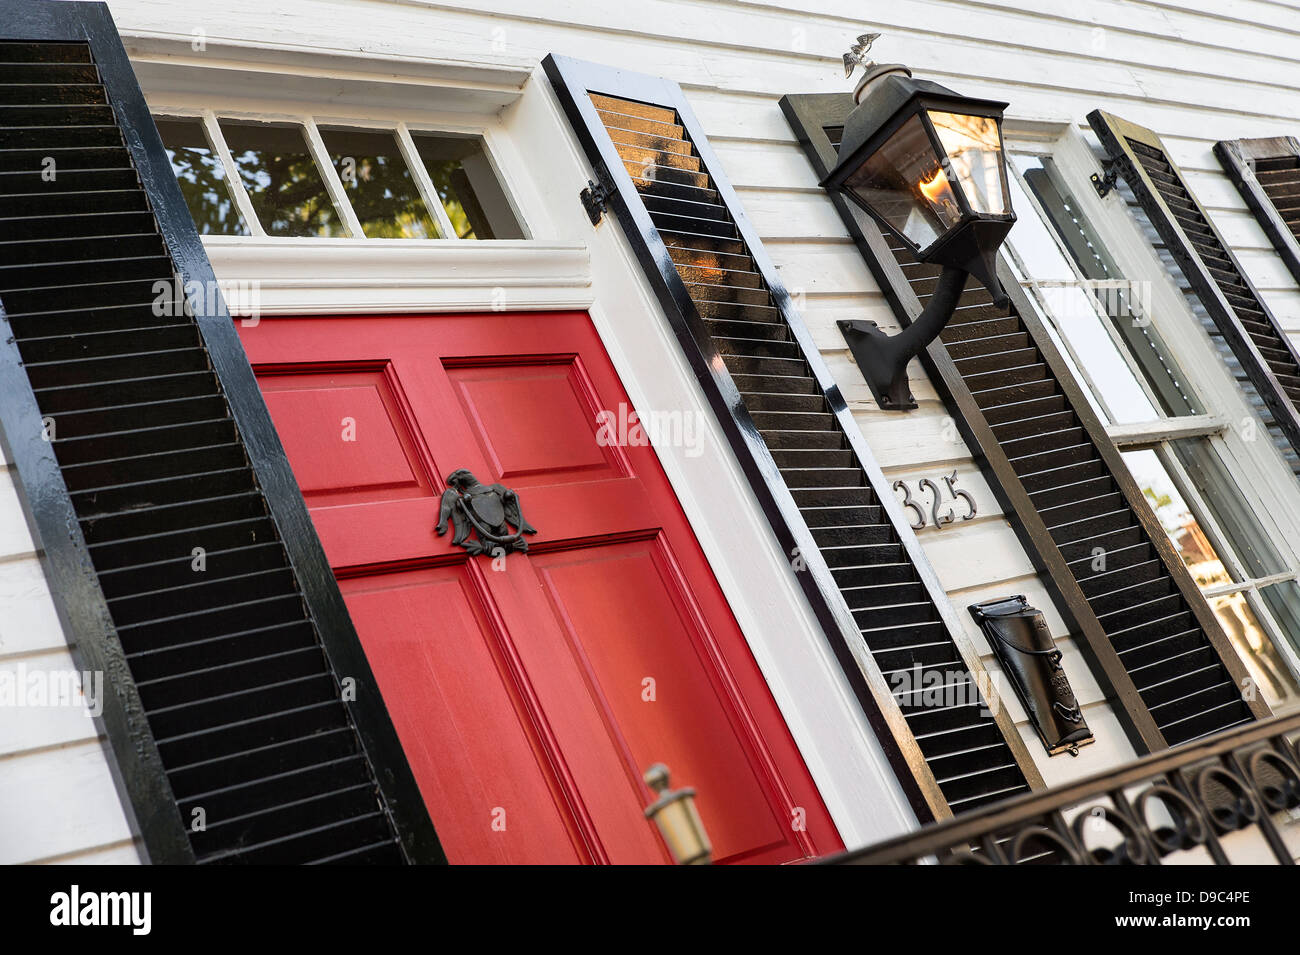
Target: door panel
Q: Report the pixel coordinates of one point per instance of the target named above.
(459, 714)
(530, 692)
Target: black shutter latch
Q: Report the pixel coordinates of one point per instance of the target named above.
(595, 198)
(1105, 182)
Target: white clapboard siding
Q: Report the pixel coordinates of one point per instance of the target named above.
(57, 798)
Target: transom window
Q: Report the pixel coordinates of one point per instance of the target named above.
(1171, 439)
(298, 179)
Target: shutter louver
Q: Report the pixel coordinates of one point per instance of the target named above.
(1248, 326)
(1146, 628)
(1267, 174)
(747, 336)
(228, 687)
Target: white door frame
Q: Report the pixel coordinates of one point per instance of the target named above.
(567, 264)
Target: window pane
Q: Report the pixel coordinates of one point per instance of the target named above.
(1126, 303)
(1233, 507)
(974, 150)
(282, 180)
(1121, 397)
(1176, 518)
(201, 176)
(903, 182)
(379, 185)
(1263, 660)
(468, 186)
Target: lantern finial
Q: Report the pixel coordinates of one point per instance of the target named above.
(857, 55)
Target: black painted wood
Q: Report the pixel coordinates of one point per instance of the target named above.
(1267, 174)
(225, 685)
(1266, 354)
(1063, 485)
(866, 577)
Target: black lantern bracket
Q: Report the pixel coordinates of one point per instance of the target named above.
(883, 358)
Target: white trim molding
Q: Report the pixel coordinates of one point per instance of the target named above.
(278, 276)
(193, 64)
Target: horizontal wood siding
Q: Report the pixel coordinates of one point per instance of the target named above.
(57, 798)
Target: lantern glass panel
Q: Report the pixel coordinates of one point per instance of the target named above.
(903, 183)
(973, 148)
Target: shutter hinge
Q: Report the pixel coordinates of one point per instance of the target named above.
(595, 198)
(1105, 182)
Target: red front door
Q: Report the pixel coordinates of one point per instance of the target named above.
(530, 693)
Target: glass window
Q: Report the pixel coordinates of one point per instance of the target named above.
(973, 148)
(1250, 638)
(379, 185)
(904, 182)
(468, 186)
(280, 175)
(1104, 324)
(202, 177)
(1185, 532)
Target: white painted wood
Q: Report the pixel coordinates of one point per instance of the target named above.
(15, 538)
(1147, 433)
(30, 624)
(52, 761)
(345, 276)
(58, 802)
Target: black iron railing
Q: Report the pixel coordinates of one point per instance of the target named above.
(1189, 797)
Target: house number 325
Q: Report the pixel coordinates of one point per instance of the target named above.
(925, 487)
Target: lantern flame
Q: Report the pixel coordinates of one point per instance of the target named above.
(934, 187)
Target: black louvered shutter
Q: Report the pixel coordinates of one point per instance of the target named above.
(879, 601)
(1248, 327)
(1267, 174)
(1153, 641)
(223, 670)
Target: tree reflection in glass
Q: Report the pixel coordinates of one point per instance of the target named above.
(282, 180)
(379, 185)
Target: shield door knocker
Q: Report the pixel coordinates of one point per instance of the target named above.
(490, 510)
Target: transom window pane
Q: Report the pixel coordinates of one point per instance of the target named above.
(468, 186)
(379, 185)
(280, 175)
(202, 177)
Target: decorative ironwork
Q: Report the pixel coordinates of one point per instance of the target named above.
(487, 509)
(882, 358)
(1190, 797)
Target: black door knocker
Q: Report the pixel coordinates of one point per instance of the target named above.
(487, 509)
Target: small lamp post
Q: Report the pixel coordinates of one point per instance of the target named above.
(678, 820)
(928, 165)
